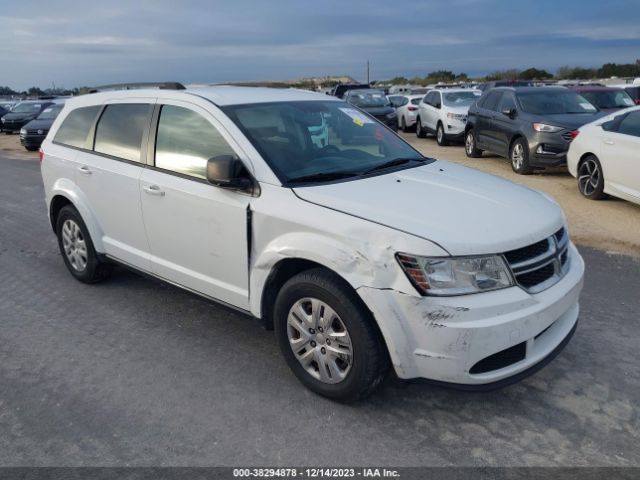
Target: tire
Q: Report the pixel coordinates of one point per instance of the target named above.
(32, 149)
(591, 178)
(73, 237)
(420, 133)
(519, 157)
(441, 137)
(403, 125)
(470, 145)
(362, 362)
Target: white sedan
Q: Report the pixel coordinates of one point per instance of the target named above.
(604, 156)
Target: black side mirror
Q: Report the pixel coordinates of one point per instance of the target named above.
(228, 172)
(509, 112)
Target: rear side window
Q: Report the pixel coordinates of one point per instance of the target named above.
(76, 126)
(186, 140)
(630, 125)
(120, 129)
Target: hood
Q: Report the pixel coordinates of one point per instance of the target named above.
(39, 125)
(570, 121)
(20, 116)
(465, 211)
(378, 110)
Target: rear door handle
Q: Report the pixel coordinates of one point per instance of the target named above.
(608, 141)
(84, 170)
(153, 190)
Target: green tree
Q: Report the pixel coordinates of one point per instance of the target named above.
(510, 74)
(534, 74)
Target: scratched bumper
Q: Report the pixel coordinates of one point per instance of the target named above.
(442, 338)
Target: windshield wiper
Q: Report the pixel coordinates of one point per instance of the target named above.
(392, 163)
(322, 177)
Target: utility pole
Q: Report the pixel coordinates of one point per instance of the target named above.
(367, 72)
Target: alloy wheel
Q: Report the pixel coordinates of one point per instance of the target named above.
(319, 340)
(517, 156)
(470, 143)
(75, 247)
(588, 177)
(440, 134)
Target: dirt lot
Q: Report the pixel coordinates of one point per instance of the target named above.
(611, 225)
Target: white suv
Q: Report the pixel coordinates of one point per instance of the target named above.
(444, 112)
(360, 256)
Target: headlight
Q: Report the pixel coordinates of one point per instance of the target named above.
(543, 127)
(23, 131)
(456, 275)
(391, 115)
(456, 116)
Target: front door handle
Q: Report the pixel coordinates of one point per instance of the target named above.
(84, 170)
(154, 190)
(608, 141)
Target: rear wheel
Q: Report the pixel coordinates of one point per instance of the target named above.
(470, 146)
(441, 137)
(591, 178)
(519, 156)
(77, 248)
(420, 132)
(328, 337)
(403, 125)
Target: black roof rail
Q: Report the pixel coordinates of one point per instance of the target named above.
(137, 86)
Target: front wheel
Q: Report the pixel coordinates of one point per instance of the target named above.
(470, 145)
(441, 137)
(519, 156)
(420, 132)
(77, 248)
(591, 178)
(328, 337)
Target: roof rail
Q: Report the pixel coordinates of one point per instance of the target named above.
(137, 86)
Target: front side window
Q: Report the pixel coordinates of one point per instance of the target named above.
(491, 100)
(459, 99)
(75, 127)
(120, 129)
(296, 145)
(507, 103)
(186, 141)
(630, 124)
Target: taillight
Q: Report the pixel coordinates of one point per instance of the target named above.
(574, 133)
(411, 108)
(637, 101)
(41, 154)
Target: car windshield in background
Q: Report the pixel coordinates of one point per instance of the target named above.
(454, 99)
(609, 99)
(551, 103)
(369, 99)
(300, 149)
(416, 101)
(27, 108)
(50, 113)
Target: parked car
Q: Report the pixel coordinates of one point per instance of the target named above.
(34, 132)
(360, 257)
(22, 114)
(343, 88)
(604, 157)
(444, 112)
(395, 100)
(503, 83)
(531, 126)
(7, 105)
(407, 111)
(607, 99)
(3, 111)
(634, 93)
(375, 103)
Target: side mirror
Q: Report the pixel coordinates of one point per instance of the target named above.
(227, 171)
(509, 112)
(608, 126)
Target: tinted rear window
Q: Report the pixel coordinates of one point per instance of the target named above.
(119, 131)
(76, 126)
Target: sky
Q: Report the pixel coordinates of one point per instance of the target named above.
(86, 43)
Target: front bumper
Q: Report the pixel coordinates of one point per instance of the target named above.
(31, 140)
(13, 126)
(548, 149)
(446, 338)
(454, 128)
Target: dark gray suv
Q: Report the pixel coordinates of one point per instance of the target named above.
(531, 126)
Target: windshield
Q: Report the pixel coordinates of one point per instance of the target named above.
(27, 108)
(609, 99)
(455, 99)
(368, 99)
(348, 143)
(550, 103)
(50, 113)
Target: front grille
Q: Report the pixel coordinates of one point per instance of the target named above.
(538, 266)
